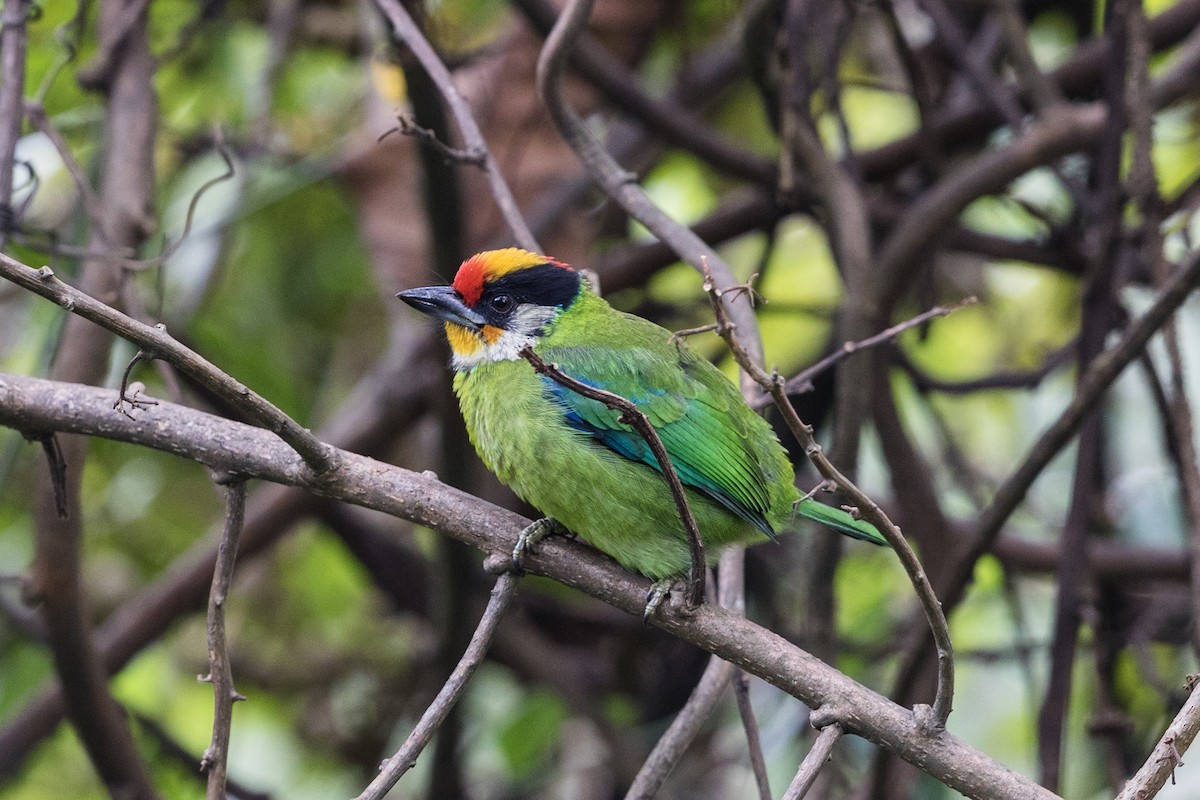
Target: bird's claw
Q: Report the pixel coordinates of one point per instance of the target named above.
(659, 591)
(528, 539)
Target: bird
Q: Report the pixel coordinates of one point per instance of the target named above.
(574, 458)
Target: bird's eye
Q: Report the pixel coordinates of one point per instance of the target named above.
(501, 303)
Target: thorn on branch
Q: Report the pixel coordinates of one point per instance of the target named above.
(1172, 755)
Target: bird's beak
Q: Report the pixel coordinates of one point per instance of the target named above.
(442, 302)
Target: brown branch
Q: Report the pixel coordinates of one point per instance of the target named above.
(31, 403)
(1168, 753)
(406, 757)
(703, 699)
(869, 510)
(425, 136)
(12, 87)
(156, 341)
(619, 184)
(802, 381)
(1076, 78)
(406, 29)
(1090, 387)
(631, 415)
(811, 765)
(741, 693)
(665, 116)
(216, 758)
(1058, 133)
(379, 410)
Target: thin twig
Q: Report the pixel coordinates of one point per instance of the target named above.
(812, 763)
(12, 68)
(407, 30)
(157, 342)
(622, 185)
(802, 382)
(700, 704)
(1168, 753)
(1091, 385)
(92, 204)
(632, 415)
(425, 136)
(171, 249)
(869, 510)
(214, 762)
(406, 756)
(758, 765)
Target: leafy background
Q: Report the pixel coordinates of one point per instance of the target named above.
(276, 284)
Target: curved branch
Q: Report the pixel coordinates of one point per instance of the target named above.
(619, 184)
(158, 343)
(36, 404)
(407, 30)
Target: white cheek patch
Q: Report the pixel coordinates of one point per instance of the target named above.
(506, 348)
(530, 319)
(522, 330)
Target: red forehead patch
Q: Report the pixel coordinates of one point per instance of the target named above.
(492, 264)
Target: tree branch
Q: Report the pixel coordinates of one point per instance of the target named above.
(215, 760)
(406, 29)
(155, 341)
(406, 757)
(1168, 753)
(35, 404)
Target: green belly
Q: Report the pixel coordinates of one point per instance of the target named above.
(621, 507)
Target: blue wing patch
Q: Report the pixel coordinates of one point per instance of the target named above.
(594, 419)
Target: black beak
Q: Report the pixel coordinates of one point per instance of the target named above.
(442, 302)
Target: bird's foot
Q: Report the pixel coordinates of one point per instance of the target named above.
(659, 591)
(534, 533)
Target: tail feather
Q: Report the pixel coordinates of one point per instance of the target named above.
(840, 521)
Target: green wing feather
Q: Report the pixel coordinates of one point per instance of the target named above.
(716, 444)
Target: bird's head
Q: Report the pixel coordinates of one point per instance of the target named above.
(500, 302)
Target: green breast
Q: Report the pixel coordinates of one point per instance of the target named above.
(620, 506)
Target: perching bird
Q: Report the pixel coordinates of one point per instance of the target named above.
(571, 457)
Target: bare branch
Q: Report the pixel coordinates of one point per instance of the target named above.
(802, 382)
(406, 757)
(619, 184)
(1090, 387)
(31, 403)
(379, 410)
(811, 766)
(157, 342)
(869, 510)
(741, 692)
(407, 30)
(1168, 753)
(216, 757)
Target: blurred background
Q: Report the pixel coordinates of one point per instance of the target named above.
(1040, 156)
